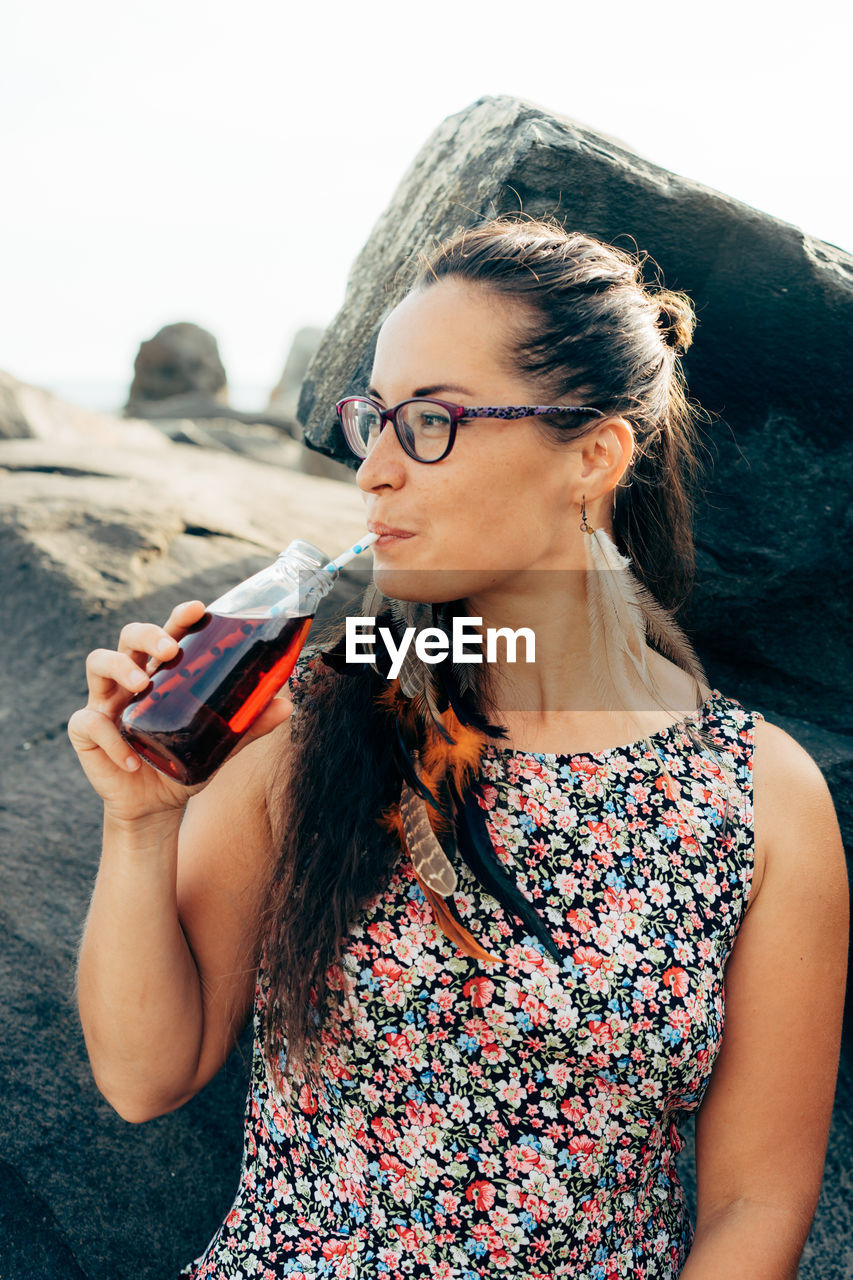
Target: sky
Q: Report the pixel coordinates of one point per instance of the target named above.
(191, 159)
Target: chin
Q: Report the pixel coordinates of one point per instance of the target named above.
(431, 586)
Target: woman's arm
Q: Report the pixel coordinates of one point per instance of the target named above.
(167, 961)
(762, 1129)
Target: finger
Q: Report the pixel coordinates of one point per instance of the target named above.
(107, 671)
(144, 640)
(182, 619)
(184, 616)
(89, 730)
(278, 711)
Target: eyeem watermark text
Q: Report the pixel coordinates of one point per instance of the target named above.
(433, 644)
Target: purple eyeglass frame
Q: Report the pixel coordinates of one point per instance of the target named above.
(457, 413)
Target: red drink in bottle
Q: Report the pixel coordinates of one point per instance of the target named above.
(200, 703)
(230, 665)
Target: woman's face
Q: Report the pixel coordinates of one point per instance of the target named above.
(503, 501)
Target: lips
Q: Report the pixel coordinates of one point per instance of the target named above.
(387, 531)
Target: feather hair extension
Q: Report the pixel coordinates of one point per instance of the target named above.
(449, 757)
(451, 927)
(617, 635)
(444, 911)
(450, 746)
(431, 695)
(459, 683)
(408, 613)
(462, 704)
(432, 865)
(411, 777)
(463, 679)
(460, 760)
(449, 762)
(373, 601)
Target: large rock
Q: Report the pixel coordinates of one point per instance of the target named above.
(770, 616)
(28, 412)
(180, 359)
(769, 360)
(105, 521)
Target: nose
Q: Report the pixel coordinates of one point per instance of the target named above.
(385, 465)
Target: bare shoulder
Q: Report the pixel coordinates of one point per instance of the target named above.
(796, 827)
(762, 1127)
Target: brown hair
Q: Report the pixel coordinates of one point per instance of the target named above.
(595, 332)
(591, 332)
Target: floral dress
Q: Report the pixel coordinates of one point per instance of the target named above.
(519, 1118)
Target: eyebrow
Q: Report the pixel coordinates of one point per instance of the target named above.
(426, 391)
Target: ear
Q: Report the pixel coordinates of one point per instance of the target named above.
(606, 454)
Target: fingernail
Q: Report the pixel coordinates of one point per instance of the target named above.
(132, 763)
(139, 680)
(165, 646)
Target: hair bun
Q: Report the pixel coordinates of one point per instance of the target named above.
(676, 319)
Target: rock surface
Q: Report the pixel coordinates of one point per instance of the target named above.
(30, 413)
(770, 615)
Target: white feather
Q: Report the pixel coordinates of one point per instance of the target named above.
(622, 614)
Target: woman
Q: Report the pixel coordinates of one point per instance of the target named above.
(471, 1055)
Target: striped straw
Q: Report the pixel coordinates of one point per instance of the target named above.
(292, 601)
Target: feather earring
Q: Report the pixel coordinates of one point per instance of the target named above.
(622, 614)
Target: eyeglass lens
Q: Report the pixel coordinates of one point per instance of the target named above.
(423, 425)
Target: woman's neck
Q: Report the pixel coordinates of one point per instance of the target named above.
(566, 700)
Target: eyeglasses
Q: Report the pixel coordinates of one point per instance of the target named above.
(427, 428)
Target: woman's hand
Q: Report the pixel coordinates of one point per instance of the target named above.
(130, 788)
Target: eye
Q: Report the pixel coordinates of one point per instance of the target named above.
(424, 416)
(367, 418)
(363, 423)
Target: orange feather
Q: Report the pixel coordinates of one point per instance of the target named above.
(437, 758)
(465, 941)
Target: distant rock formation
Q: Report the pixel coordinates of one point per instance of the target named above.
(180, 360)
(181, 353)
(284, 398)
(29, 413)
